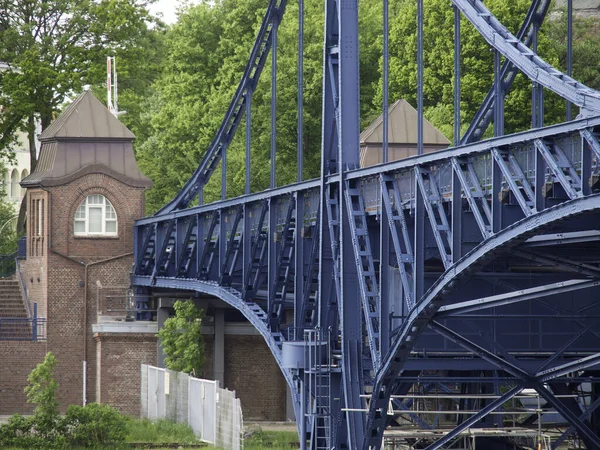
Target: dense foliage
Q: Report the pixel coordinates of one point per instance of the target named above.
(176, 82)
(181, 339)
(208, 48)
(54, 47)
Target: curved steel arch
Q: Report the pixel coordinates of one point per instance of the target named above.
(535, 16)
(526, 60)
(235, 111)
(234, 299)
(427, 307)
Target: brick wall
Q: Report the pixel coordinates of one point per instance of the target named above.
(17, 360)
(64, 201)
(120, 356)
(251, 371)
(35, 279)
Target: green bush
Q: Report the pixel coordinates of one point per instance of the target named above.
(22, 432)
(87, 426)
(95, 424)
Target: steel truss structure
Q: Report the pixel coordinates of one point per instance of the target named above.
(473, 270)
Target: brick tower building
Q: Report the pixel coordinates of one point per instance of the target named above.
(82, 200)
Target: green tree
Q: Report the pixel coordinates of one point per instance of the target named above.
(477, 62)
(41, 391)
(53, 48)
(202, 71)
(181, 340)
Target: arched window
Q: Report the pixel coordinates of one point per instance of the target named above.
(24, 173)
(95, 217)
(14, 185)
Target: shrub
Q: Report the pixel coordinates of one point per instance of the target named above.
(22, 432)
(41, 391)
(95, 424)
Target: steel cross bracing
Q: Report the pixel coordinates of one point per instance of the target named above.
(204, 266)
(482, 259)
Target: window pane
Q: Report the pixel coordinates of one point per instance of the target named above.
(79, 226)
(80, 214)
(95, 199)
(110, 211)
(95, 220)
(111, 226)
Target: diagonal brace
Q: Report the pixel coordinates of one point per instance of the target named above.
(515, 297)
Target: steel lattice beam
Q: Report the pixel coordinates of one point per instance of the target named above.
(397, 244)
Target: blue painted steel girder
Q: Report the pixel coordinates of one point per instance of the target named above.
(439, 209)
(199, 233)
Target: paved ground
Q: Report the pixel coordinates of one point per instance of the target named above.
(272, 426)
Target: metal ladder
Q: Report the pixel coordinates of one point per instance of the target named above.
(436, 213)
(257, 257)
(146, 265)
(365, 268)
(311, 283)
(188, 250)
(166, 255)
(318, 354)
(516, 180)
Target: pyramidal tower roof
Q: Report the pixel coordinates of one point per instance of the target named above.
(402, 127)
(86, 138)
(86, 118)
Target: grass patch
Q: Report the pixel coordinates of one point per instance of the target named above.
(274, 440)
(160, 432)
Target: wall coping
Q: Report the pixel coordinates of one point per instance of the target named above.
(125, 327)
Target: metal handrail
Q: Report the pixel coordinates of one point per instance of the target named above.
(37, 330)
(23, 286)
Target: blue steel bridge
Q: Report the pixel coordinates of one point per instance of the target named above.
(472, 272)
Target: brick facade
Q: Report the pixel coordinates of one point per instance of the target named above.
(252, 373)
(118, 368)
(65, 273)
(62, 271)
(18, 359)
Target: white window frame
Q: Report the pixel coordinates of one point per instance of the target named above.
(108, 215)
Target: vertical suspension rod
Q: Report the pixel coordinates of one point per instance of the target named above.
(224, 174)
(386, 65)
(499, 94)
(569, 50)
(273, 100)
(248, 135)
(420, 77)
(456, 76)
(300, 87)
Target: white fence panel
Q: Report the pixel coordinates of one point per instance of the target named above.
(214, 414)
(144, 386)
(152, 393)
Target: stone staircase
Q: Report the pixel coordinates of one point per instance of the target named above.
(13, 314)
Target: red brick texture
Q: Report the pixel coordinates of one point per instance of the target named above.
(18, 359)
(119, 358)
(59, 268)
(252, 373)
(64, 275)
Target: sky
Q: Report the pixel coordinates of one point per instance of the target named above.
(168, 9)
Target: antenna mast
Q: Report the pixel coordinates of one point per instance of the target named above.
(111, 86)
